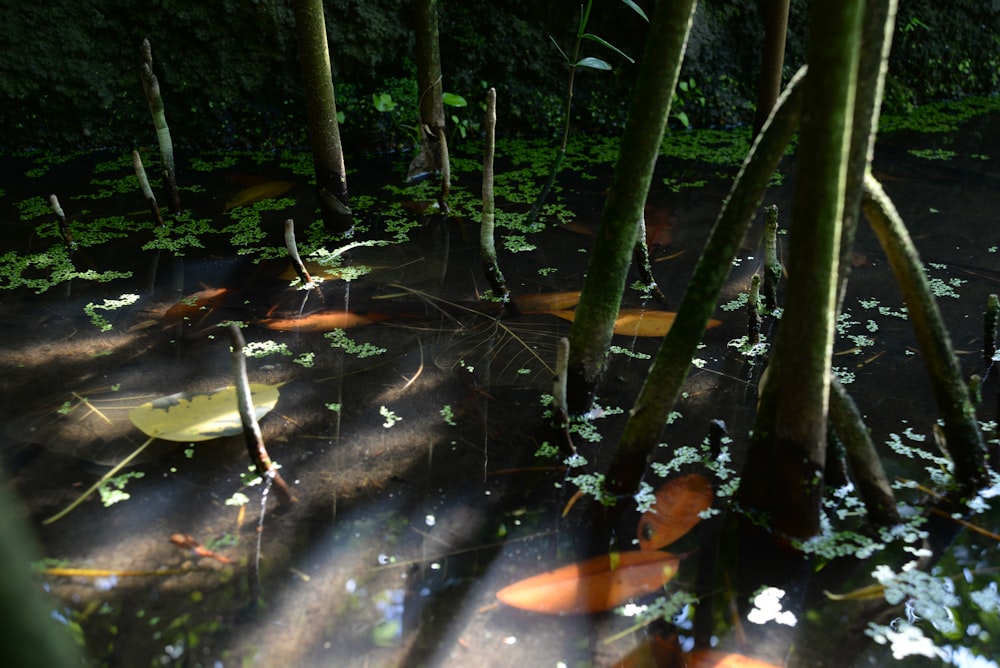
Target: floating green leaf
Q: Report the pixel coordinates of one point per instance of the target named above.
(200, 416)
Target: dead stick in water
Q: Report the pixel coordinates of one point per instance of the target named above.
(293, 252)
(251, 429)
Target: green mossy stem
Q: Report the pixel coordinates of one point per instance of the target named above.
(866, 467)
(666, 377)
(591, 332)
(961, 430)
(784, 473)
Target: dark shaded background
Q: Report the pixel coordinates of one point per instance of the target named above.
(229, 72)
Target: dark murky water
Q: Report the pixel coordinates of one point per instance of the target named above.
(421, 490)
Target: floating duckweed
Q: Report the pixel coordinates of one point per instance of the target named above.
(739, 302)
(448, 414)
(931, 597)
(112, 490)
(112, 187)
(593, 484)
(932, 153)
(546, 450)
(33, 207)
(517, 243)
(618, 350)
(305, 359)
(258, 349)
(238, 499)
(182, 233)
(338, 339)
(871, 304)
(109, 305)
(390, 417)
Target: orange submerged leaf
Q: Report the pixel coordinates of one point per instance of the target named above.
(635, 322)
(193, 305)
(547, 301)
(593, 585)
(324, 321)
(707, 658)
(678, 502)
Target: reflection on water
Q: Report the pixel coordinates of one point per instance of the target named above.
(412, 424)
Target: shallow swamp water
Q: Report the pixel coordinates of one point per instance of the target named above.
(411, 418)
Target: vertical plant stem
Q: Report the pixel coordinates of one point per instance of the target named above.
(784, 472)
(964, 440)
(640, 256)
(876, 43)
(670, 367)
(293, 253)
(445, 162)
(590, 334)
(772, 266)
(152, 88)
(487, 247)
(266, 468)
(772, 60)
(559, 408)
(147, 192)
(990, 319)
(429, 81)
(321, 115)
(753, 311)
(64, 230)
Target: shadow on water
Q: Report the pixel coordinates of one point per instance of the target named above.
(416, 435)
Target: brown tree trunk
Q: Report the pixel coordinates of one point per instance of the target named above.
(321, 115)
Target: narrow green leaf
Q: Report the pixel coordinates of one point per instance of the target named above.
(603, 42)
(565, 57)
(594, 63)
(637, 9)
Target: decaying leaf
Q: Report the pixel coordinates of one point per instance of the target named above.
(593, 585)
(193, 305)
(635, 322)
(258, 193)
(708, 658)
(547, 301)
(200, 416)
(678, 503)
(324, 321)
